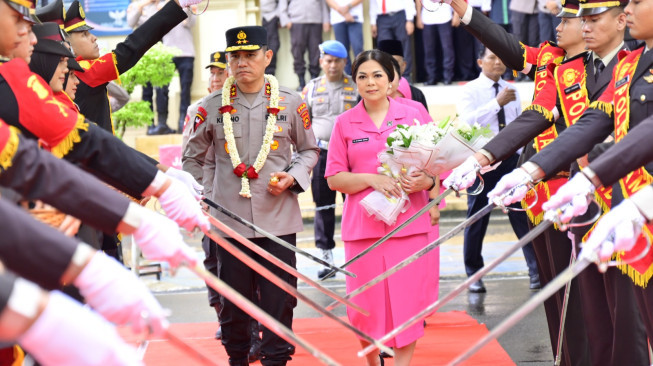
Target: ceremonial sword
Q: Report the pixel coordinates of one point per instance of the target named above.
(549, 219)
(287, 287)
(254, 311)
(539, 229)
(279, 263)
(586, 257)
(395, 230)
(453, 232)
(274, 238)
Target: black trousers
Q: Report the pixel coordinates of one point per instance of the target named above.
(325, 220)
(394, 27)
(553, 253)
(274, 301)
(474, 234)
(272, 27)
(306, 37)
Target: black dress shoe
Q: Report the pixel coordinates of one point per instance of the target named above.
(447, 82)
(322, 274)
(535, 282)
(477, 287)
(429, 83)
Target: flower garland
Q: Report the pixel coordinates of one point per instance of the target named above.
(241, 170)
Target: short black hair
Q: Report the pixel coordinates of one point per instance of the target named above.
(384, 59)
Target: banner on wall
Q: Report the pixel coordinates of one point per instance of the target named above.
(108, 17)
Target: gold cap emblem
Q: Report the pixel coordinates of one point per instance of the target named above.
(562, 2)
(242, 37)
(81, 11)
(216, 56)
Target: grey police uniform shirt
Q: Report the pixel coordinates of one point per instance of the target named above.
(326, 101)
(279, 215)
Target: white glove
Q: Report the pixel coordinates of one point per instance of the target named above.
(186, 178)
(159, 239)
(181, 207)
(119, 296)
(68, 334)
(464, 175)
(571, 198)
(511, 188)
(625, 221)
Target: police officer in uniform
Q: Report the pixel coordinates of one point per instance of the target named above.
(327, 97)
(261, 188)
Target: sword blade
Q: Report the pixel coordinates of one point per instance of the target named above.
(285, 286)
(279, 263)
(274, 238)
(539, 229)
(414, 217)
(255, 312)
(556, 284)
(460, 227)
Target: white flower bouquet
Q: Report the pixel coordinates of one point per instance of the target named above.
(435, 148)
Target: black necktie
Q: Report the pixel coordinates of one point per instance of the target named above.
(501, 115)
(598, 68)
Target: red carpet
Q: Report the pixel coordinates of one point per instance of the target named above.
(446, 336)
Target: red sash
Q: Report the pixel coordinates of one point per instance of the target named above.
(40, 112)
(548, 54)
(8, 144)
(99, 71)
(642, 270)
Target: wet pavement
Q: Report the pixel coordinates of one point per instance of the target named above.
(507, 288)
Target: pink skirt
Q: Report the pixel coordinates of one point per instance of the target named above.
(399, 297)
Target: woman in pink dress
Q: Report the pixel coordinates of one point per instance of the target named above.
(358, 136)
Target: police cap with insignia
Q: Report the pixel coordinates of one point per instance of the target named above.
(50, 40)
(391, 46)
(25, 8)
(53, 12)
(593, 7)
(569, 9)
(75, 20)
(218, 59)
(333, 48)
(248, 38)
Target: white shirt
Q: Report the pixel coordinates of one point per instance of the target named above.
(478, 103)
(441, 15)
(392, 6)
(356, 12)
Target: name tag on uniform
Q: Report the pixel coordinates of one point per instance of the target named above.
(572, 88)
(365, 139)
(621, 82)
(541, 68)
(280, 117)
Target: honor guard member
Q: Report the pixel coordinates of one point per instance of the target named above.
(252, 125)
(327, 97)
(54, 12)
(568, 93)
(68, 134)
(622, 107)
(100, 70)
(218, 68)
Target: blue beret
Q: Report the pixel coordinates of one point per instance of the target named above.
(333, 48)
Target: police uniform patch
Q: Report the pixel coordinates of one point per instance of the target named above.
(268, 90)
(274, 145)
(200, 117)
(303, 113)
(232, 92)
